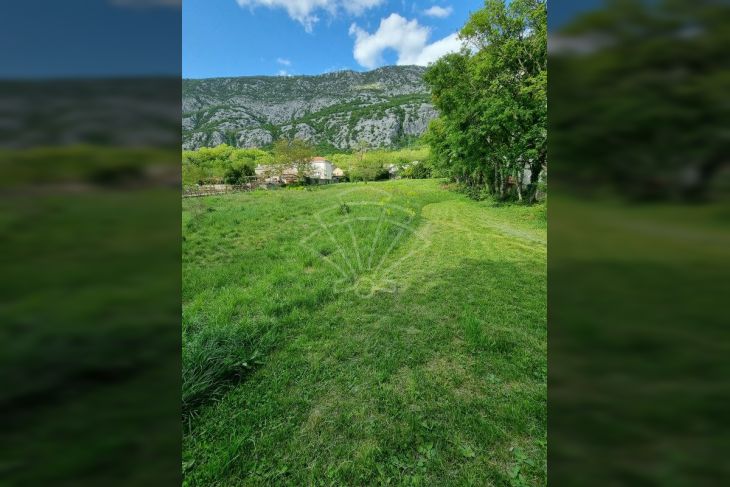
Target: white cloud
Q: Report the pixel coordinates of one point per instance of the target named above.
(283, 72)
(358, 7)
(407, 38)
(439, 12)
(283, 61)
(438, 49)
(306, 11)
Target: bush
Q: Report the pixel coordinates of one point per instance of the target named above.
(417, 170)
(222, 162)
(238, 174)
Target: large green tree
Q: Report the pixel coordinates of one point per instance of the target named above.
(492, 97)
(640, 102)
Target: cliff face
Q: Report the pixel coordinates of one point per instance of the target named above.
(382, 108)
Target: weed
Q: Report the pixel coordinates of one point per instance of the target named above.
(518, 472)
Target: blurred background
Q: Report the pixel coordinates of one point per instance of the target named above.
(90, 232)
(639, 248)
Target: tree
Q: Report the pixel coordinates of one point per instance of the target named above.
(370, 169)
(239, 174)
(295, 154)
(642, 107)
(492, 132)
(367, 166)
(416, 170)
(215, 163)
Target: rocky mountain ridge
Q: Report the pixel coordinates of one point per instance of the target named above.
(386, 107)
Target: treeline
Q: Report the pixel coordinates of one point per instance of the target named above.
(375, 165)
(222, 164)
(227, 164)
(491, 135)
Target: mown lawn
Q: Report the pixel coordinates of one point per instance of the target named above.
(363, 334)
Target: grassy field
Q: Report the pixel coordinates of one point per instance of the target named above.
(363, 334)
(638, 342)
(90, 312)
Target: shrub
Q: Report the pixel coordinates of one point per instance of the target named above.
(417, 170)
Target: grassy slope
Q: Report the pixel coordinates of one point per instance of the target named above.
(440, 380)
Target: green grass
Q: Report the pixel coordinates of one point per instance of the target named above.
(90, 319)
(78, 164)
(638, 342)
(325, 345)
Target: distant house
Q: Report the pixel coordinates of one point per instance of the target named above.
(393, 171)
(274, 175)
(320, 171)
(290, 175)
(338, 175)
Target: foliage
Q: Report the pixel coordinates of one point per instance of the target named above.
(368, 169)
(644, 112)
(81, 164)
(372, 165)
(239, 174)
(292, 154)
(222, 162)
(233, 166)
(417, 170)
(493, 101)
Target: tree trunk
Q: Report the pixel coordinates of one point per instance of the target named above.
(495, 189)
(535, 172)
(501, 185)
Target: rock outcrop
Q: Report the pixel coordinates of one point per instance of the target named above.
(381, 108)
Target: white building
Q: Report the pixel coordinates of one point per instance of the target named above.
(338, 174)
(321, 170)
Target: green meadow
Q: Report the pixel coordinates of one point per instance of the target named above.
(638, 339)
(388, 333)
(90, 314)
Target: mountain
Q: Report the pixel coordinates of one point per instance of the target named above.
(384, 108)
(123, 112)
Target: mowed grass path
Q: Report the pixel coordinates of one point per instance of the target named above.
(437, 377)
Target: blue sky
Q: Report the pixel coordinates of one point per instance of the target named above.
(73, 38)
(561, 12)
(269, 37)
